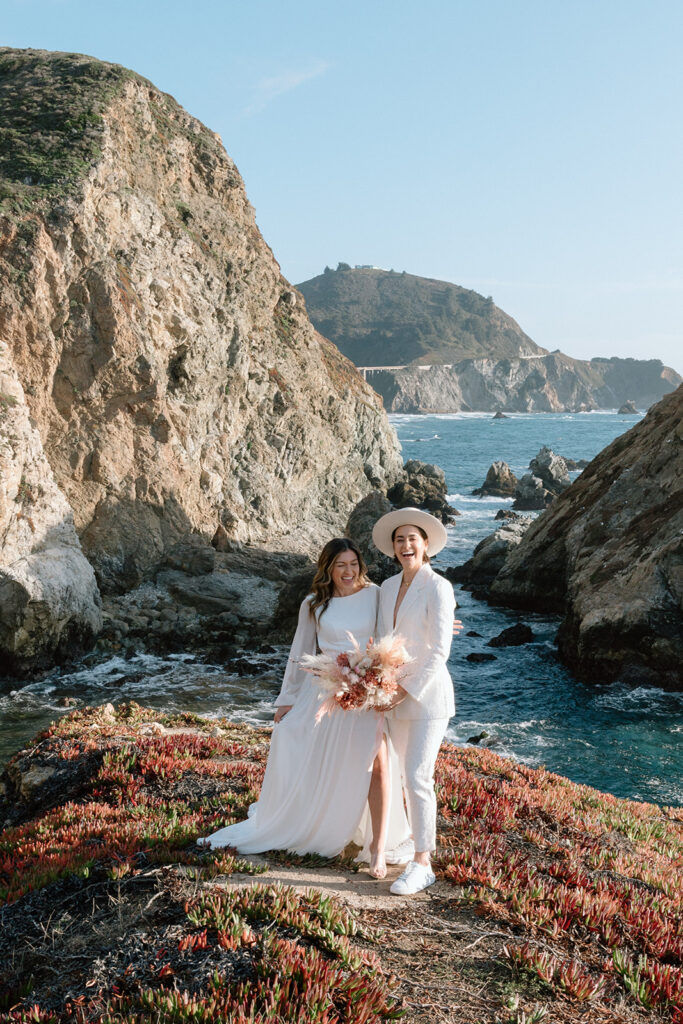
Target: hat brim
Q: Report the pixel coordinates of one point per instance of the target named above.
(384, 527)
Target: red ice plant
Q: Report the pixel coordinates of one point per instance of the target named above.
(576, 866)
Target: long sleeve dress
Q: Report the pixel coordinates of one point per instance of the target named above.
(315, 789)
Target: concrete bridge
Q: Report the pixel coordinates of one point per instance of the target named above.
(365, 370)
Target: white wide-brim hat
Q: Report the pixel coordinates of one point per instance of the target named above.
(384, 527)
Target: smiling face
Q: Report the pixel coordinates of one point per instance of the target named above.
(345, 572)
(410, 547)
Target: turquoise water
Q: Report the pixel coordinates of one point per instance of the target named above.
(626, 740)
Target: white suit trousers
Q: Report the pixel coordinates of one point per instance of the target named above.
(417, 742)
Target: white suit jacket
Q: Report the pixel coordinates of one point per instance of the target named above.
(425, 621)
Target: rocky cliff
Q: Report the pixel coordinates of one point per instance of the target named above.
(459, 351)
(608, 555)
(169, 372)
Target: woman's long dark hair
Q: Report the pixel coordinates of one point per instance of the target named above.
(322, 587)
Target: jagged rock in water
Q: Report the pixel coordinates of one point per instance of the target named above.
(608, 555)
(489, 555)
(551, 469)
(49, 601)
(423, 486)
(500, 416)
(531, 494)
(513, 636)
(575, 464)
(478, 738)
(507, 513)
(548, 477)
(628, 409)
(500, 481)
(175, 381)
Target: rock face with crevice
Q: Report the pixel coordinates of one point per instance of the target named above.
(173, 379)
(608, 555)
(49, 601)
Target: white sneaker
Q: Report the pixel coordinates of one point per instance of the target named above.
(402, 853)
(415, 878)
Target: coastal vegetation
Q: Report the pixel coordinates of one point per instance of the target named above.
(50, 122)
(553, 897)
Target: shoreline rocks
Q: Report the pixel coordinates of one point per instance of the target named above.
(242, 599)
(489, 556)
(607, 556)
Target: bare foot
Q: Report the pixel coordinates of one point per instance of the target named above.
(378, 865)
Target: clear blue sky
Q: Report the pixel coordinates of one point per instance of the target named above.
(529, 149)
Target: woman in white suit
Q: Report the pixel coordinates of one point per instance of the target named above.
(418, 604)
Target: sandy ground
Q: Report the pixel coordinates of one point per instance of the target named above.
(357, 890)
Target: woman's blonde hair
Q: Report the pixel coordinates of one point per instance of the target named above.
(322, 587)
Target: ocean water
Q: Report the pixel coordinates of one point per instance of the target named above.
(625, 740)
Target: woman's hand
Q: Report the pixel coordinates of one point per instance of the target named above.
(281, 712)
(457, 627)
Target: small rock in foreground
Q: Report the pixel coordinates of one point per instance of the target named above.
(513, 636)
(478, 738)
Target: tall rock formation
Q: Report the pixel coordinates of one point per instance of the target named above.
(449, 349)
(49, 601)
(608, 555)
(171, 373)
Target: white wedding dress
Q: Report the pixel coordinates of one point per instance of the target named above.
(315, 790)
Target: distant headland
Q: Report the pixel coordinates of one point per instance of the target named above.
(432, 346)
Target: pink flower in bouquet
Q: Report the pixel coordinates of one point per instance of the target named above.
(359, 680)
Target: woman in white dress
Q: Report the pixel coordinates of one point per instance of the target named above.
(327, 783)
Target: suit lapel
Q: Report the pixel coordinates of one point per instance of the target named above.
(412, 595)
(389, 603)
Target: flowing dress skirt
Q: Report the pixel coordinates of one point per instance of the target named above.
(315, 790)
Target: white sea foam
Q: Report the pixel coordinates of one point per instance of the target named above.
(480, 500)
